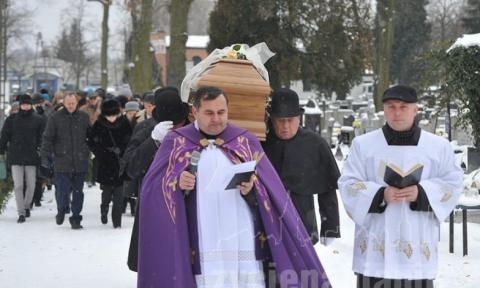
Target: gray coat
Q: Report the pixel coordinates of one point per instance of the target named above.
(66, 138)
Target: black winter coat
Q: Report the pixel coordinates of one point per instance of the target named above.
(140, 150)
(306, 167)
(66, 137)
(108, 142)
(137, 159)
(22, 136)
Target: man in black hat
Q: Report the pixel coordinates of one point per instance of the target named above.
(21, 138)
(397, 224)
(305, 164)
(169, 113)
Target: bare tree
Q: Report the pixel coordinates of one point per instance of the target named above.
(104, 48)
(385, 32)
(178, 38)
(445, 18)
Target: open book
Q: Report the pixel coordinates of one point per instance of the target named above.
(395, 177)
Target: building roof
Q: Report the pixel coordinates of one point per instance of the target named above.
(193, 41)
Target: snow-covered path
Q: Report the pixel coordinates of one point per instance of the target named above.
(40, 254)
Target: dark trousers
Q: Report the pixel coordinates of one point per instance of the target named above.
(66, 184)
(38, 193)
(112, 194)
(372, 282)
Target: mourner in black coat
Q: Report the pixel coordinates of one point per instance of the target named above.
(21, 137)
(145, 142)
(305, 165)
(108, 140)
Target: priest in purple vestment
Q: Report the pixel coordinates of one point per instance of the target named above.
(214, 236)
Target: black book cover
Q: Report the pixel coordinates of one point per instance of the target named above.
(239, 178)
(395, 177)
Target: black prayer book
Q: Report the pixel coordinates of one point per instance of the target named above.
(238, 178)
(395, 177)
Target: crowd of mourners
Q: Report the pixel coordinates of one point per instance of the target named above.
(70, 138)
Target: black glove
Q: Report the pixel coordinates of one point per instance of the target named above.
(44, 163)
(114, 150)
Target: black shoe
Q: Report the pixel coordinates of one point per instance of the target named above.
(76, 226)
(21, 219)
(75, 223)
(60, 218)
(104, 218)
(38, 204)
(27, 213)
(115, 226)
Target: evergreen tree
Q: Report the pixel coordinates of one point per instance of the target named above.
(471, 20)
(384, 31)
(251, 22)
(411, 40)
(72, 48)
(335, 36)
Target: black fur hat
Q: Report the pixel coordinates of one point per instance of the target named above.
(110, 107)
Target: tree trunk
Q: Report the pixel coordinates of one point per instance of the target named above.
(385, 10)
(104, 48)
(142, 57)
(4, 44)
(178, 39)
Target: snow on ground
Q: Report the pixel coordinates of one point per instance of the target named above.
(41, 254)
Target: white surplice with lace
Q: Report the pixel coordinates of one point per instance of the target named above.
(225, 228)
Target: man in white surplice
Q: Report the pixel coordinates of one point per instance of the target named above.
(225, 225)
(397, 230)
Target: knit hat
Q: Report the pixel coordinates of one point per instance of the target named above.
(132, 106)
(110, 107)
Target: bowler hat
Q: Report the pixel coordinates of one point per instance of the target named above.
(169, 106)
(400, 92)
(284, 103)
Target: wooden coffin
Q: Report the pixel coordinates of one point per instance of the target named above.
(246, 90)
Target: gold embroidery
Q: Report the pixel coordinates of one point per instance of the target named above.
(193, 256)
(446, 196)
(426, 251)
(262, 239)
(204, 142)
(380, 247)
(355, 188)
(405, 247)
(408, 250)
(363, 245)
(219, 142)
(447, 193)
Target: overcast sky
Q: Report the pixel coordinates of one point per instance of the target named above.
(50, 16)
